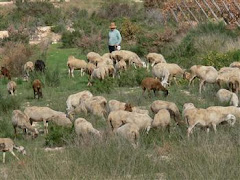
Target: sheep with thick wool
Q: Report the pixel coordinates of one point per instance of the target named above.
(28, 67)
(94, 58)
(11, 87)
(84, 128)
(162, 119)
(155, 58)
(162, 73)
(225, 96)
(74, 63)
(204, 117)
(157, 105)
(206, 74)
(21, 120)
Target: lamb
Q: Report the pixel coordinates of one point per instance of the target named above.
(21, 120)
(94, 58)
(37, 88)
(225, 96)
(162, 73)
(173, 69)
(7, 144)
(154, 58)
(5, 72)
(39, 65)
(157, 105)
(4, 34)
(28, 67)
(85, 128)
(11, 87)
(204, 117)
(74, 63)
(162, 119)
(74, 100)
(206, 74)
(39, 114)
(150, 83)
(95, 105)
(130, 132)
(98, 73)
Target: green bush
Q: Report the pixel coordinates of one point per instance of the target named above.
(8, 103)
(105, 86)
(57, 135)
(59, 28)
(52, 78)
(69, 38)
(133, 77)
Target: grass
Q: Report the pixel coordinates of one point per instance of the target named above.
(160, 154)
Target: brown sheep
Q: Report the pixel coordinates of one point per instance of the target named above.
(37, 88)
(5, 72)
(150, 83)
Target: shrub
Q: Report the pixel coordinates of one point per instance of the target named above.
(129, 29)
(57, 135)
(9, 103)
(59, 28)
(69, 38)
(104, 86)
(15, 55)
(52, 78)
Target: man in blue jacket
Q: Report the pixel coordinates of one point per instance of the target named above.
(115, 38)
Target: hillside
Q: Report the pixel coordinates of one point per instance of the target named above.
(83, 27)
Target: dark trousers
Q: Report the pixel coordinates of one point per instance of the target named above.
(111, 48)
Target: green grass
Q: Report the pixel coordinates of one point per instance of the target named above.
(202, 157)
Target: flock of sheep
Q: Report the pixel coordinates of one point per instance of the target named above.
(122, 118)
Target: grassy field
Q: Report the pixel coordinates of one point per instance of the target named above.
(161, 155)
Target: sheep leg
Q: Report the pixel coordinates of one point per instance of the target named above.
(175, 80)
(14, 155)
(189, 130)
(200, 86)
(69, 72)
(148, 128)
(214, 127)
(81, 72)
(190, 81)
(4, 155)
(45, 124)
(144, 89)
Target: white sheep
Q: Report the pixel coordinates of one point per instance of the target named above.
(11, 87)
(95, 105)
(127, 56)
(28, 67)
(226, 110)
(74, 99)
(162, 119)
(225, 96)
(235, 65)
(7, 144)
(21, 120)
(157, 105)
(155, 58)
(130, 132)
(39, 114)
(98, 73)
(227, 75)
(85, 128)
(173, 69)
(107, 55)
(162, 73)
(94, 58)
(74, 63)
(60, 121)
(206, 74)
(90, 67)
(204, 117)
(120, 66)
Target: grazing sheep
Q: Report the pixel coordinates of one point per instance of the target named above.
(154, 58)
(105, 61)
(125, 55)
(235, 65)
(227, 76)
(21, 120)
(206, 74)
(153, 84)
(225, 96)
(234, 83)
(90, 67)
(162, 73)
(94, 58)
(157, 105)
(85, 128)
(37, 88)
(4, 34)
(60, 121)
(28, 67)
(5, 72)
(11, 87)
(74, 63)
(41, 114)
(120, 66)
(162, 119)
(39, 66)
(204, 117)
(173, 69)
(107, 55)
(130, 132)
(226, 110)
(117, 118)
(95, 105)
(74, 100)
(98, 73)
(120, 117)
(7, 144)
